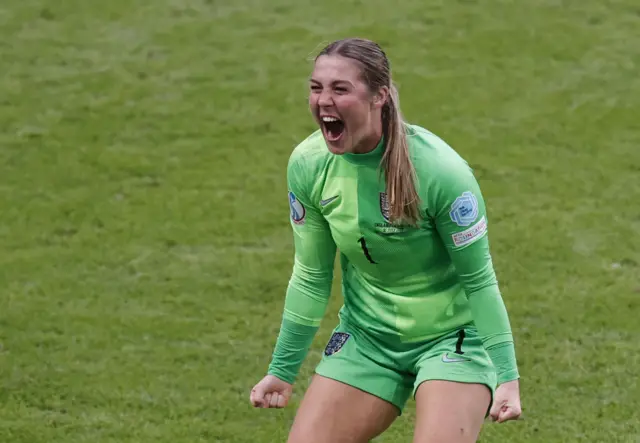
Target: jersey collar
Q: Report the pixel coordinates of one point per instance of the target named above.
(369, 158)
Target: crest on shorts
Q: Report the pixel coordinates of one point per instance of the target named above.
(336, 342)
(464, 210)
(384, 205)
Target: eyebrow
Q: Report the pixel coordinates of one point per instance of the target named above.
(335, 82)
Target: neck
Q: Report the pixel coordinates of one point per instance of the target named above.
(369, 142)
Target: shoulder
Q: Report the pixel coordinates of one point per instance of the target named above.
(443, 175)
(430, 151)
(310, 154)
(433, 158)
(307, 162)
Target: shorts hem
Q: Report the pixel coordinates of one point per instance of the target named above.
(362, 388)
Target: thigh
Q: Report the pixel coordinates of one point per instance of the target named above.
(356, 394)
(450, 412)
(334, 412)
(454, 389)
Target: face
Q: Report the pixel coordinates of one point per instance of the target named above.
(348, 113)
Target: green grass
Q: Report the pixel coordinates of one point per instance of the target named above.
(144, 237)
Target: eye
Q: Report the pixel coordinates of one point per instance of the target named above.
(340, 90)
(315, 88)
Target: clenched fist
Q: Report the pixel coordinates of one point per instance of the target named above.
(506, 405)
(271, 392)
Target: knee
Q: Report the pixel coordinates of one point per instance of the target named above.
(436, 434)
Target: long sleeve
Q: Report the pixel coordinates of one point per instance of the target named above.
(309, 287)
(461, 220)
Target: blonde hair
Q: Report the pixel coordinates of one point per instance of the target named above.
(398, 169)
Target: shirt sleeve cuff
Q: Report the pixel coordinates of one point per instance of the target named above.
(503, 357)
(291, 349)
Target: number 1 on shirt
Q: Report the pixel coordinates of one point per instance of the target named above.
(363, 243)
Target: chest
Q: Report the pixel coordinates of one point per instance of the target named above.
(356, 207)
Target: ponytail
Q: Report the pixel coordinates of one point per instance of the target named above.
(399, 172)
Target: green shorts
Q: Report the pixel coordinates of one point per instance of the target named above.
(355, 358)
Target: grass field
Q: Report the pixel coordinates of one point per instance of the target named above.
(144, 237)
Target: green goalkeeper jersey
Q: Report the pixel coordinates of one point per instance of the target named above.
(403, 284)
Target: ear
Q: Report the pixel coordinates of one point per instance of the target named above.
(381, 97)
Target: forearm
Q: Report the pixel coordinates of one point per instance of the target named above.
(305, 304)
(291, 349)
(492, 322)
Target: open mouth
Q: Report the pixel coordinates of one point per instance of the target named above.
(333, 128)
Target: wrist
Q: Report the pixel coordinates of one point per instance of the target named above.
(282, 376)
(508, 377)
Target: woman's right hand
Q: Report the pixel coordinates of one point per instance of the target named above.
(271, 392)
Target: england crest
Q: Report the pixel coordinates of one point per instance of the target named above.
(384, 206)
(336, 342)
(464, 210)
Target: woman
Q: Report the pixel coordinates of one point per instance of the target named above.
(422, 312)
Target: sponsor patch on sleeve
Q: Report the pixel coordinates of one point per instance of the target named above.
(470, 235)
(464, 210)
(298, 212)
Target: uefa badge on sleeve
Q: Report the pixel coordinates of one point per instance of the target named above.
(464, 210)
(297, 209)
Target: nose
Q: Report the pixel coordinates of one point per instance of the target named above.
(325, 99)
